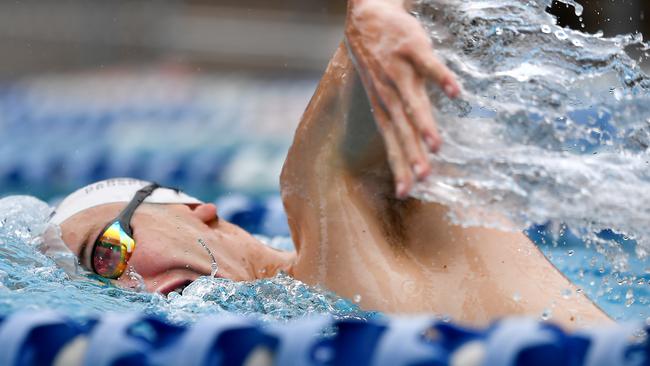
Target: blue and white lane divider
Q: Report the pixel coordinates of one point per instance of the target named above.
(48, 338)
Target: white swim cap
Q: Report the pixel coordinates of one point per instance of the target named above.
(112, 191)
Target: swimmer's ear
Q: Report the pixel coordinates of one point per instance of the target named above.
(206, 212)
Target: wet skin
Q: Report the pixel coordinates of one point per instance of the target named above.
(354, 237)
(167, 253)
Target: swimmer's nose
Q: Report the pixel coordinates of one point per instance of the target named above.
(206, 212)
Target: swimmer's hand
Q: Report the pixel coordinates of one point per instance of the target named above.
(395, 58)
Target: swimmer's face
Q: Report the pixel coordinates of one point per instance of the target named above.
(168, 254)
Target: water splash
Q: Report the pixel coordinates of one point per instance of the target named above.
(214, 267)
(552, 125)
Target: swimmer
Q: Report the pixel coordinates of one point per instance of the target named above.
(360, 147)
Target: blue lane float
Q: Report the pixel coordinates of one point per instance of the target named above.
(48, 338)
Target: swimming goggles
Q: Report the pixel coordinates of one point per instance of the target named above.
(115, 244)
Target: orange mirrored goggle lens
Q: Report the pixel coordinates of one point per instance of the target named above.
(112, 251)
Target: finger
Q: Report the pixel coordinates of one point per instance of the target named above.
(375, 79)
(422, 116)
(396, 159)
(417, 106)
(428, 65)
(410, 143)
(395, 155)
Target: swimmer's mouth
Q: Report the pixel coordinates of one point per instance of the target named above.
(180, 288)
(175, 287)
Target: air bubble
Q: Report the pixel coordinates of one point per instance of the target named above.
(546, 28)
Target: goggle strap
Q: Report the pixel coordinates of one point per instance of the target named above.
(125, 216)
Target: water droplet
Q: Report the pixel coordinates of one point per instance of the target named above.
(516, 297)
(618, 94)
(546, 28)
(561, 34)
(213, 262)
(579, 9)
(546, 314)
(641, 282)
(629, 298)
(570, 252)
(566, 293)
(621, 282)
(409, 287)
(138, 282)
(356, 298)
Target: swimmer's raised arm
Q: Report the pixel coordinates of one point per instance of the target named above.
(395, 59)
(354, 237)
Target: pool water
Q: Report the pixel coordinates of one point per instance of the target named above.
(231, 135)
(623, 293)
